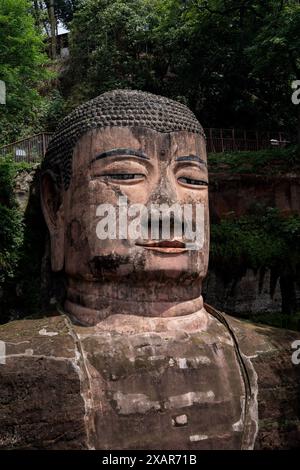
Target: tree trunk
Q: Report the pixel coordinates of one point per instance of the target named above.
(288, 295)
(52, 21)
(37, 14)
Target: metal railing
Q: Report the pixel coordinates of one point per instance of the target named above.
(33, 149)
(238, 140)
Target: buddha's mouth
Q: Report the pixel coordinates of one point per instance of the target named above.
(164, 246)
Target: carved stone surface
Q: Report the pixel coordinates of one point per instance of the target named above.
(136, 383)
(41, 402)
(121, 108)
(149, 367)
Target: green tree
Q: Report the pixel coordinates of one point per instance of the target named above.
(48, 14)
(231, 61)
(275, 56)
(108, 48)
(22, 68)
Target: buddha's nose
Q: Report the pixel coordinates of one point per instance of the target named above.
(164, 192)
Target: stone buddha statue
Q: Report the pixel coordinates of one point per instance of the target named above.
(134, 359)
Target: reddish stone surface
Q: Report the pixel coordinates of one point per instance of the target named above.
(237, 193)
(123, 383)
(149, 367)
(41, 404)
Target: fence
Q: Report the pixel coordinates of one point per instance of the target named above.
(237, 140)
(33, 148)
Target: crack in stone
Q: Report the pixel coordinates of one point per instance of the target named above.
(85, 390)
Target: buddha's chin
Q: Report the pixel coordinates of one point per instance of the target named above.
(160, 267)
(141, 266)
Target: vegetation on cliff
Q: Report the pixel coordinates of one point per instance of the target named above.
(261, 240)
(22, 245)
(11, 227)
(232, 62)
(268, 162)
(22, 68)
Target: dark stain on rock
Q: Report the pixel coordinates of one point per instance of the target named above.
(107, 263)
(74, 231)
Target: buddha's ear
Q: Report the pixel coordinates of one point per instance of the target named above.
(52, 206)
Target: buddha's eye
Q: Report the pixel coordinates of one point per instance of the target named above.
(192, 182)
(124, 176)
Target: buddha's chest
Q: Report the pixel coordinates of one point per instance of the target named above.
(164, 391)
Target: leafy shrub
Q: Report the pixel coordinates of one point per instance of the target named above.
(11, 226)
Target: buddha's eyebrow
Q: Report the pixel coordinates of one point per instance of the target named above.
(122, 153)
(191, 158)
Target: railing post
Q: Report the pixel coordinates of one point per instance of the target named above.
(211, 140)
(44, 145)
(222, 143)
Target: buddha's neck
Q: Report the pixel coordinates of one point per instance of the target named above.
(88, 303)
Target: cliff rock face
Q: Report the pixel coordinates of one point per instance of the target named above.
(261, 290)
(22, 186)
(238, 193)
(255, 291)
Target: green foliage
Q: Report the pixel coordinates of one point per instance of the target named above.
(63, 10)
(264, 162)
(27, 274)
(278, 319)
(108, 48)
(54, 109)
(11, 231)
(11, 227)
(22, 245)
(232, 62)
(263, 239)
(275, 59)
(22, 68)
(7, 173)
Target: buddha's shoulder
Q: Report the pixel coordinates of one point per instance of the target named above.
(271, 361)
(41, 404)
(38, 348)
(49, 336)
(258, 339)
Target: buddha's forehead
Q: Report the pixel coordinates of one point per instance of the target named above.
(117, 108)
(154, 144)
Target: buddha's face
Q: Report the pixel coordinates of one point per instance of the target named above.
(140, 166)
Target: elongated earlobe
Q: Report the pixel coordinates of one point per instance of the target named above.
(54, 215)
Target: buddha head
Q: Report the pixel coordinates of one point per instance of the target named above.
(125, 197)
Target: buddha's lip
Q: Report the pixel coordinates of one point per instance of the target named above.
(164, 246)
